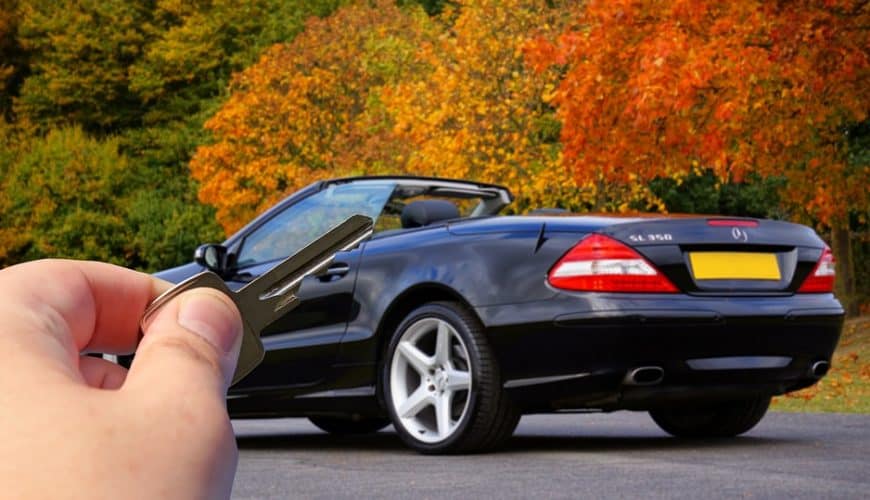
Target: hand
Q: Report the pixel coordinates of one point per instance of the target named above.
(79, 426)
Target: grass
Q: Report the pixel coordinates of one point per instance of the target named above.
(846, 388)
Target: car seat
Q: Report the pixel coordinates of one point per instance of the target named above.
(424, 212)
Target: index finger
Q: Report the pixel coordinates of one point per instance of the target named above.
(87, 306)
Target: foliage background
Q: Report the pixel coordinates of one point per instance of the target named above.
(131, 131)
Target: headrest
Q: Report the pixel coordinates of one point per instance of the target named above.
(424, 212)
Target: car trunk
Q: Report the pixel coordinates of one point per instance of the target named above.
(719, 256)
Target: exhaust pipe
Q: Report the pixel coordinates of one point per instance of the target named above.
(644, 375)
(819, 369)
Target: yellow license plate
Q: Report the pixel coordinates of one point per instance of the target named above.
(734, 266)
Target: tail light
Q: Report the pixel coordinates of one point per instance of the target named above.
(821, 280)
(732, 223)
(602, 264)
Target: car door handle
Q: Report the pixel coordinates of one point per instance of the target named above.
(334, 272)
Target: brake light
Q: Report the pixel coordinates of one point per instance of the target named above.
(601, 264)
(821, 280)
(732, 223)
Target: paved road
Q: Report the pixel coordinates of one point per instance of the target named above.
(621, 455)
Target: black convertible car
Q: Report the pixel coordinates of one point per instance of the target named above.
(451, 321)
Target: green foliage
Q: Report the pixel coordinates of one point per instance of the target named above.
(80, 52)
(859, 158)
(703, 193)
(391, 59)
(70, 195)
(204, 42)
(8, 152)
(12, 59)
(112, 64)
(151, 202)
(140, 78)
(165, 219)
(432, 7)
(62, 199)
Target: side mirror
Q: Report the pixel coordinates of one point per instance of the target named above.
(211, 256)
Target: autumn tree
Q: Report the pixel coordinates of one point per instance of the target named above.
(656, 87)
(309, 109)
(140, 78)
(482, 113)
(380, 89)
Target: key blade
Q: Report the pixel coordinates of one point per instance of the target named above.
(273, 294)
(251, 354)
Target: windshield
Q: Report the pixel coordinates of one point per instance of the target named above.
(305, 221)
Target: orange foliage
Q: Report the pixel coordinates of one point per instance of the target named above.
(379, 89)
(656, 87)
(308, 109)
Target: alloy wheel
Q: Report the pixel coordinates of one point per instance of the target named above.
(430, 380)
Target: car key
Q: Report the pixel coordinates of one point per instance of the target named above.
(273, 294)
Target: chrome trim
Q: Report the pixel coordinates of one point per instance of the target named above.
(819, 369)
(631, 376)
(351, 392)
(523, 382)
(739, 363)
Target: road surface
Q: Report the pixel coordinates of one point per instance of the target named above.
(619, 455)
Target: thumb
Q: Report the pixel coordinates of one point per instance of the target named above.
(191, 344)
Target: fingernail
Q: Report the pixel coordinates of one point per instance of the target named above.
(206, 315)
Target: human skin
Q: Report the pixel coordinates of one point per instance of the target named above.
(74, 426)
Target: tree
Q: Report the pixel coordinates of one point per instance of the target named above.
(114, 64)
(482, 114)
(309, 109)
(432, 7)
(70, 195)
(656, 87)
(12, 60)
(380, 89)
(139, 78)
(80, 52)
(62, 198)
(7, 149)
(189, 61)
(164, 220)
(702, 192)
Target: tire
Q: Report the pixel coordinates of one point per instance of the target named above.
(345, 426)
(727, 419)
(442, 386)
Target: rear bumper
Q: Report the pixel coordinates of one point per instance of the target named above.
(575, 350)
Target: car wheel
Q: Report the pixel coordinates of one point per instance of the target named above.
(441, 383)
(720, 420)
(346, 425)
